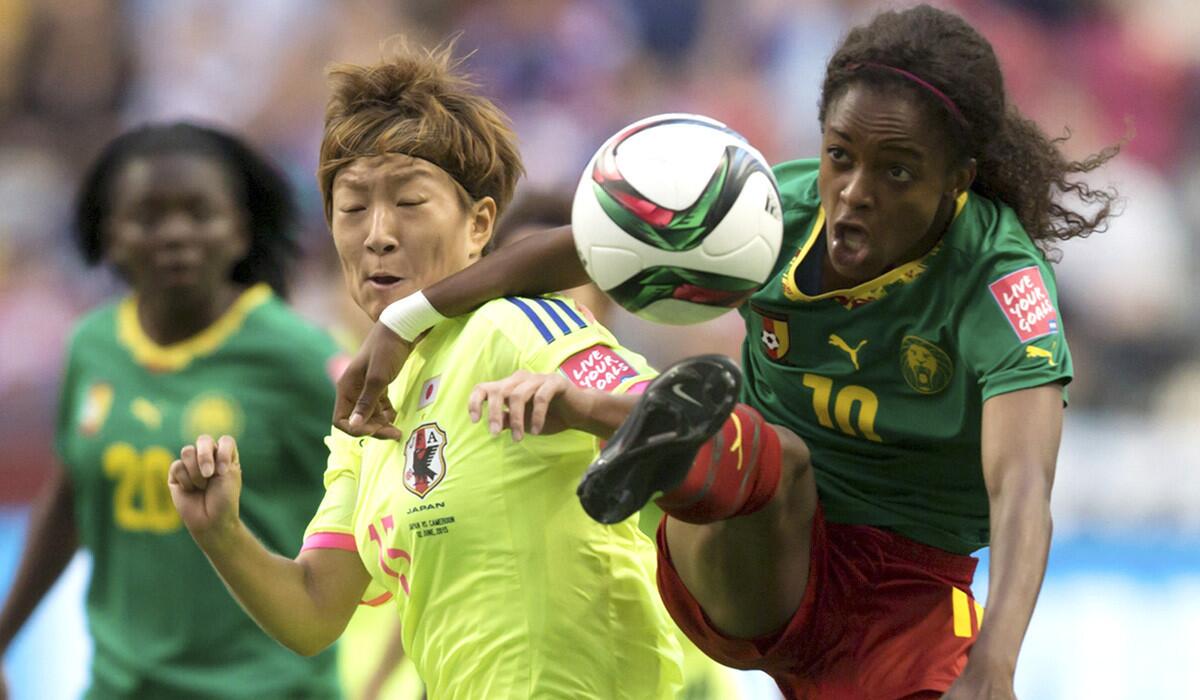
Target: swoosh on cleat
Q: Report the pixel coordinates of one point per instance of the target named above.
(678, 391)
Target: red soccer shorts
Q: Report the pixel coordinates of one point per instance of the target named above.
(883, 618)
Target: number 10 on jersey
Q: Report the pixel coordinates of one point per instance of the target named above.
(841, 402)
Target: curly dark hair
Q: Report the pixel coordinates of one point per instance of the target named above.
(264, 193)
(1016, 163)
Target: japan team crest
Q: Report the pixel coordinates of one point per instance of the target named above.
(424, 459)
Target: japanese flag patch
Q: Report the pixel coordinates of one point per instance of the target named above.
(1023, 298)
(429, 391)
(598, 367)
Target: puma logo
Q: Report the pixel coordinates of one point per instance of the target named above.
(147, 413)
(1033, 351)
(836, 341)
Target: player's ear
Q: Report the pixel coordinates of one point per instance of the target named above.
(963, 176)
(482, 217)
(244, 238)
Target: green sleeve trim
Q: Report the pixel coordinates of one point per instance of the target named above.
(1018, 380)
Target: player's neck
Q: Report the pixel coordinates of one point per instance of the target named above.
(171, 318)
(937, 231)
(832, 280)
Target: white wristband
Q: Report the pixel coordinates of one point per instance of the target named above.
(411, 316)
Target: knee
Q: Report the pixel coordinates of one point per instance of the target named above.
(743, 577)
(795, 498)
(795, 457)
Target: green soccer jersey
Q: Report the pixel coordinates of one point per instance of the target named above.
(886, 381)
(163, 624)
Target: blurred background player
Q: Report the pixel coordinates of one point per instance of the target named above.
(504, 587)
(922, 230)
(200, 227)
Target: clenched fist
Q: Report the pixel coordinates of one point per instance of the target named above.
(206, 484)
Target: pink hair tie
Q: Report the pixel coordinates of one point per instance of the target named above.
(958, 115)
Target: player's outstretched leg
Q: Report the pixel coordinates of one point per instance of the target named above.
(688, 438)
(738, 491)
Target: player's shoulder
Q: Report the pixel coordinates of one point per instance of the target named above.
(275, 320)
(797, 180)
(289, 350)
(530, 321)
(96, 327)
(988, 239)
(799, 199)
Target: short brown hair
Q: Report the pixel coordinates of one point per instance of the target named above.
(419, 103)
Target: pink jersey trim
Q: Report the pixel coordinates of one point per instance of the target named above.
(330, 540)
(377, 600)
(639, 388)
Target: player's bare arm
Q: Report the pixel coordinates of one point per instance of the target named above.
(534, 265)
(52, 542)
(544, 404)
(303, 603)
(1020, 438)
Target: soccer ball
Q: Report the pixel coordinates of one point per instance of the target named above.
(677, 218)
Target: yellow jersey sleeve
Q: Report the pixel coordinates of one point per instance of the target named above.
(333, 525)
(554, 334)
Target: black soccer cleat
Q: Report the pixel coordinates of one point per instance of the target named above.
(654, 448)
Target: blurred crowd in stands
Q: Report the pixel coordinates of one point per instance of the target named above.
(73, 73)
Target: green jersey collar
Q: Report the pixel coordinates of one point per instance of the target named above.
(870, 290)
(176, 356)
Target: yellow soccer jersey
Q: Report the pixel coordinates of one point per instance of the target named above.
(505, 588)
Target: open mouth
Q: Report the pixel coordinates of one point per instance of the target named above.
(382, 280)
(853, 236)
(849, 244)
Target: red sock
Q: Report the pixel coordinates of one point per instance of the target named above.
(734, 473)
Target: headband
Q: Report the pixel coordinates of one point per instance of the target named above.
(949, 103)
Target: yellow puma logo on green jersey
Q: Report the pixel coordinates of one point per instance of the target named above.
(147, 413)
(1033, 351)
(836, 341)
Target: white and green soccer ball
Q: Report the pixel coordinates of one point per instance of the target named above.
(677, 218)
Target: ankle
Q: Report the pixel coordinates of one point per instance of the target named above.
(735, 473)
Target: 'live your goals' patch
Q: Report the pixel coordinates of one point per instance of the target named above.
(598, 367)
(1023, 298)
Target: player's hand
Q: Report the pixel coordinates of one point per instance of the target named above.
(362, 407)
(982, 683)
(206, 486)
(537, 404)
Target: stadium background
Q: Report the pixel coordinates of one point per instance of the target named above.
(1119, 615)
